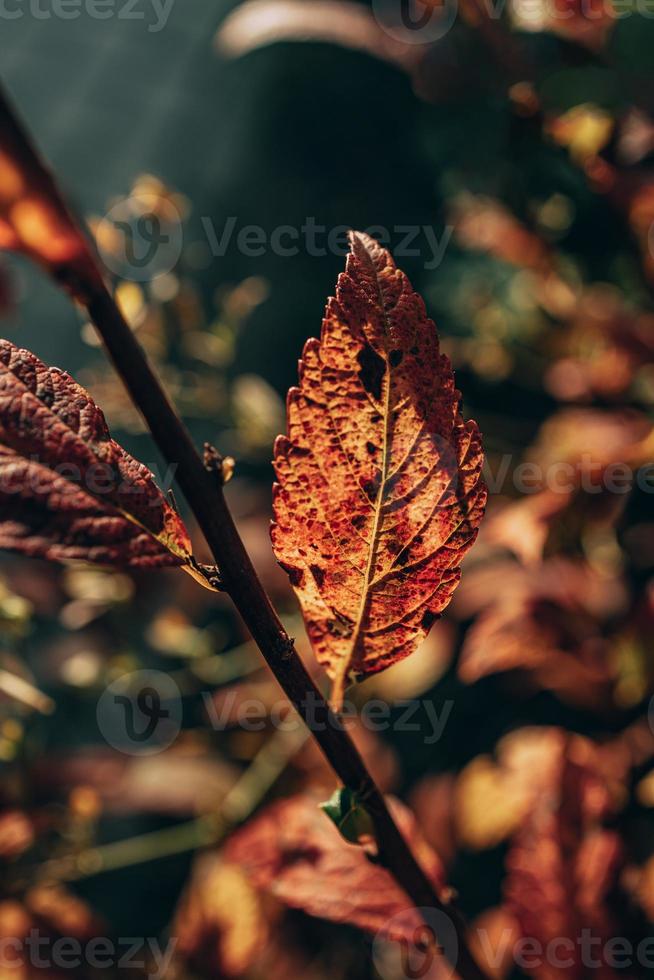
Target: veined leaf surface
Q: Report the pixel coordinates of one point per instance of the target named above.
(67, 489)
(379, 491)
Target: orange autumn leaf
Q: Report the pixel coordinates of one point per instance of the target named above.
(67, 489)
(34, 219)
(379, 491)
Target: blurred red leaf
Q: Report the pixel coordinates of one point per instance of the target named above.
(563, 863)
(294, 851)
(597, 593)
(592, 439)
(560, 648)
(67, 489)
(34, 219)
(380, 490)
(432, 801)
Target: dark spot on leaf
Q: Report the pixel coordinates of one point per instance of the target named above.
(427, 619)
(296, 575)
(318, 573)
(371, 447)
(298, 855)
(338, 627)
(358, 521)
(395, 357)
(372, 371)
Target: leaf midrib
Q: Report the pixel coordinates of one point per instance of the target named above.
(343, 670)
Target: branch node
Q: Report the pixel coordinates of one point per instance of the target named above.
(212, 574)
(284, 646)
(216, 463)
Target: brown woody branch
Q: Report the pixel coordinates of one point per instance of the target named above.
(205, 496)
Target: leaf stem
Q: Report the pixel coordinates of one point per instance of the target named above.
(206, 499)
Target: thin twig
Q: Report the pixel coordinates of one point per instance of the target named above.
(206, 499)
(205, 496)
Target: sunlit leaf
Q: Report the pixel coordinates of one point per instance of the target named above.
(34, 219)
(380, 491)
